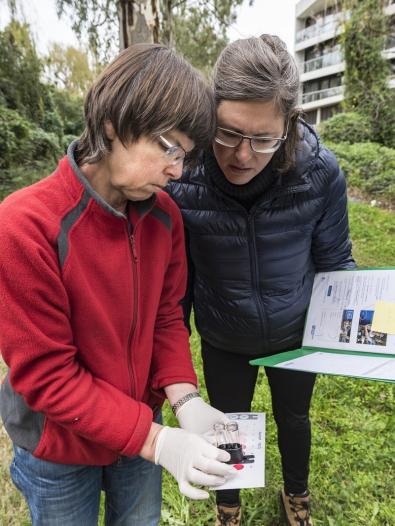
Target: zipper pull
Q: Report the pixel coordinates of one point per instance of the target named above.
(133, 245)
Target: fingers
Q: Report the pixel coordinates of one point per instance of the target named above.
(212, 467)
(224, 419)
(210, 437)
(191, 492)
(222, 455)
(214, 453)
(204, 479)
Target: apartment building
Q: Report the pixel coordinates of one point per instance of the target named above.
(318, 24)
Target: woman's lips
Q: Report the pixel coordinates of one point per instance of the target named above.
(239, 168)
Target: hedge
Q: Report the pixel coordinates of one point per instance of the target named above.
(369, 167)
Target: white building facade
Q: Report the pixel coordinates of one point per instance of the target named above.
(318, 24)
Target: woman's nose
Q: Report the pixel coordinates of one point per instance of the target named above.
(174, 171)
(243, 151)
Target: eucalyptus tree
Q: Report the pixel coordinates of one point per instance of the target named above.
(197, 28)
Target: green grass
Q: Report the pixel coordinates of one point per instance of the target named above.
(373, 235)
(352, 468)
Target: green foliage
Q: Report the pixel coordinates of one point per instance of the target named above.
(196, 37)
(51, 121)
(14, 133)
(373, 236)
(368, 167)
(19, 176)
(22, 142)
(367, 71)
(23, 147)
(21, 88)
(196, 27)
(348, 127)
(70, 110)
(200, 30)
(20, 70)
(69, 69)
(36, 119)
(95, 19)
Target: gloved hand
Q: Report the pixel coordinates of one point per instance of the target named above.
(199, 417)
(190, 459)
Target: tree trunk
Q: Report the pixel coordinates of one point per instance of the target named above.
(167, 28)
(138, 21)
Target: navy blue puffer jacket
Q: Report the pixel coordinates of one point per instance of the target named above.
(251, 272)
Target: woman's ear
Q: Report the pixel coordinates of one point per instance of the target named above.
(109, 129)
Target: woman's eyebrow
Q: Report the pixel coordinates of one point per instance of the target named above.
(259, 134)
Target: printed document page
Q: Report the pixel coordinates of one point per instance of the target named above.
(350, 311)
(250, 471)
(377, 368)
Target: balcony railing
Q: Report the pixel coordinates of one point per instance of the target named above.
(329, 59)
(322, 94)
(323, 25)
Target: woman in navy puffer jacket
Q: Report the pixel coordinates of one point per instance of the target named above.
(265, 210)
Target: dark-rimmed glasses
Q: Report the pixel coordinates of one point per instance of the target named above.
(258, 144)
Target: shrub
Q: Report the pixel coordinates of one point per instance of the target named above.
(21, 176)
(67, 140)
(14, 134)
(22, 142)
(20, 70)
(44, 145)
(368, 167)
(348, 127)
(70, 109)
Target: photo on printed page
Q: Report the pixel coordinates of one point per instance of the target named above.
(345, 326)
(365, 335)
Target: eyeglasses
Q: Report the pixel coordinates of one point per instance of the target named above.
(258, 144)
(174, 153)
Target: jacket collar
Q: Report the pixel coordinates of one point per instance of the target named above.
(136, 209)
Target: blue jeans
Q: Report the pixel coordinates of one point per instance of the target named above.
(69, 495)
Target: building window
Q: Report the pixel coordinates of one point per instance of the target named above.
(311, 117)
(321, 84)
(322, 88)
(390, 41)
(330, 111)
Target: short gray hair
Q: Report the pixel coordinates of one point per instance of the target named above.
(262, 69)
(147, 90)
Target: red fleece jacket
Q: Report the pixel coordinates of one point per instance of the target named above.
(91, 325)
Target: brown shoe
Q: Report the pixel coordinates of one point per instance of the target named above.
(296, 510)
(228, 515)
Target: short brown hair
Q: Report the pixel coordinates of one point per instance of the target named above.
(261, 68)
(147, 90)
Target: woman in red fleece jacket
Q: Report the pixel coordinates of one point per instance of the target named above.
(92, 271)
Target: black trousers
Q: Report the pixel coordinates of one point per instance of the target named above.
(230, 382)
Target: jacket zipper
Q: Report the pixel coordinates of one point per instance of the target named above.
(132, 247)
(252, 246)
(255, 274)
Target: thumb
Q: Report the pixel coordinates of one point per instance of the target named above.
(209, 436)
(192, 492)
(222, 455)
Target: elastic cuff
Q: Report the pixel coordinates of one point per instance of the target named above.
(159, 441)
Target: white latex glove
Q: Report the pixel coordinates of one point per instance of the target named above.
(199, 417)
(191, 460)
